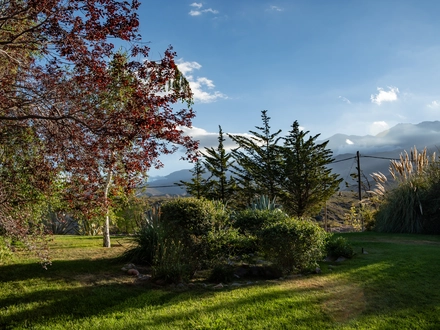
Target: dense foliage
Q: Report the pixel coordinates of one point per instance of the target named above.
(93, 117)
(294, 245)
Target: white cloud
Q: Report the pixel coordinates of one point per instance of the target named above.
(344, 99)
(276, 8)
(187, 67)
(378, 127)
(195, 13)
(434, 105)
(196, 5)
(199, 12)
(199, 84)
(210, 140)
(384, 96)
(348, 141)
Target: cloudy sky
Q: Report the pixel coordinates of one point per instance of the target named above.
(342, 66)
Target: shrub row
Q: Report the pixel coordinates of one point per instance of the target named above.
(195, 234)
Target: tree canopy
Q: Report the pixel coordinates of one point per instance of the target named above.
(85, 105)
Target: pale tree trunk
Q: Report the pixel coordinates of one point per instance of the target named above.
(106, 242)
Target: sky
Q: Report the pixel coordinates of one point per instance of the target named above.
(356, 67)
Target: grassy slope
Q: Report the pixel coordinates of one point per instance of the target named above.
(394, 286)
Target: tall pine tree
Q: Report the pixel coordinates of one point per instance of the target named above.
(217, 162)
(258, 159)
(307, 181)
(197, 187)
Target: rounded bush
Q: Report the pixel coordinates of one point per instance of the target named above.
(190, 222)
(190, 215)
(252, 220)
(293, 244)
(339, 247)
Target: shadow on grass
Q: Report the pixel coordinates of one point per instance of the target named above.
(72, 305)
(395, 280)
(63, 268)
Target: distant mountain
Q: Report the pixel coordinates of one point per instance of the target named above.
(375, 152)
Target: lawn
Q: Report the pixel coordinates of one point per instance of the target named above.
(394, 285)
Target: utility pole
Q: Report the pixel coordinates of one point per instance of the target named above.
(358, 158)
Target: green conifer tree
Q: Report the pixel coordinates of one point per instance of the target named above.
(217, 162)
(258, 159)
(197, 187)
(307, 181)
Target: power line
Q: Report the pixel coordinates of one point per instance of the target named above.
(380, 157)
(342, 160)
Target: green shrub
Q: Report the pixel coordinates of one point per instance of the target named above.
(339, 247)
(190, 215)
(252, 220)
(190, 221)
(293, 244)
(146, 240)
(226, 242)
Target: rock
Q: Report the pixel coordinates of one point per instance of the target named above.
(133, 272)
(218, 286)
(318, 270)
(236, 284)
(144, 277)
(340, 259)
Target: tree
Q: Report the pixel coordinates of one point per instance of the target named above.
(59, 84)
(217, 162)
(197, 187)
(258, 159)
(306, 181)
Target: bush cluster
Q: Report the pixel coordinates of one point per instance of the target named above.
(195, 234)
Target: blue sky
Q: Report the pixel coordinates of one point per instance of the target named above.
(352, 67)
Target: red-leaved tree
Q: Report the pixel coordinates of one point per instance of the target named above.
(100, 118)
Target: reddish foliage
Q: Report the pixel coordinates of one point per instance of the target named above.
(55, 79)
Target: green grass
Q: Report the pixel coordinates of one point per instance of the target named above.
(394, 286)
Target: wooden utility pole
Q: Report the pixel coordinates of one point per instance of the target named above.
(358, 158)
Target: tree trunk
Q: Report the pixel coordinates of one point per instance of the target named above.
(106, 242)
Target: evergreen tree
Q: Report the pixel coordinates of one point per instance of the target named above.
(197, 187)
(258, 158)
(217, 162)
(306, 180)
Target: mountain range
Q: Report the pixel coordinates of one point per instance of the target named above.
(375, 154)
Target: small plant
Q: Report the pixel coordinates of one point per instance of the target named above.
(263, 203)
(339, 247)
(169, 262)
(147, 239)
(352, 218)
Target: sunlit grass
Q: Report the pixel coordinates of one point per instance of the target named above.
(394, 286)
